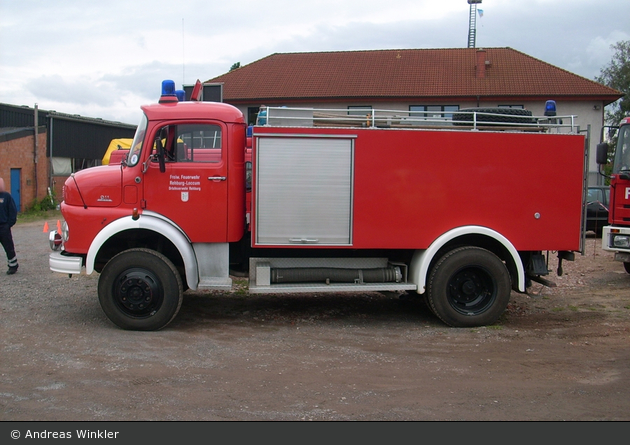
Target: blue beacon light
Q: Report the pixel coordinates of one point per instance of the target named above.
(168, 88)
(550, 108)
(168, 92)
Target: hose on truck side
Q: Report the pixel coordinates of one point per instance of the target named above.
(334, 275)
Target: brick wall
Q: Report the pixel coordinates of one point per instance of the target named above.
(18, 154)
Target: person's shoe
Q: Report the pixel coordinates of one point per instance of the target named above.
(12, 270)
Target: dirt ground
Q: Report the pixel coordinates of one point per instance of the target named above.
(558, 354)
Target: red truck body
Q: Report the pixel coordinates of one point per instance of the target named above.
(462, 216)
(411, 186)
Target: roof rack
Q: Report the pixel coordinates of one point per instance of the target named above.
(489, 119)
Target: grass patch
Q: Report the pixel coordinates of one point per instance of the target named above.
(45, 208)
(240, 286)
(37, 215)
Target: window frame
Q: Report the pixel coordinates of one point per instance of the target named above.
(360, 110)
(443, 111)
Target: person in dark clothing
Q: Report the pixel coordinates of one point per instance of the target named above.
(8, 217)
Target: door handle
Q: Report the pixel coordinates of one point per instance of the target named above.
(217, 178)
(303, 240)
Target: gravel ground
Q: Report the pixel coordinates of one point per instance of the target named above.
(558, 354)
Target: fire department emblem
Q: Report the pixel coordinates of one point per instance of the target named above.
(184, 196)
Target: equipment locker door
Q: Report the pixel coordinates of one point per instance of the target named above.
(192, 191)
(304, 190)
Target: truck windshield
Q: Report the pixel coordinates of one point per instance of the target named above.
(622, 154)
(136, 146)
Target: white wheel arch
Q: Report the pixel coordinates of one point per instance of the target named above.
(156, 223)
(419, 268)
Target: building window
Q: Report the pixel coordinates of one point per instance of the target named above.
(359, 110)
(252, 113)
(432, 111)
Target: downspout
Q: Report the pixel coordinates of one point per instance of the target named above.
(50, 137)
(35, 150)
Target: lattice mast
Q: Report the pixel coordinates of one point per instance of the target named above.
(472, 23)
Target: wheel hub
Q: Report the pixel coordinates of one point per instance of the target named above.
(471, 291)
(468, 288)
(138, 293)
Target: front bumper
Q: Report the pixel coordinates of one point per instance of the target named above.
(617, 239)
(71, 265)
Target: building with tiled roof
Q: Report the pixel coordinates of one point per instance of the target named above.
(455, 75)
(426, 80)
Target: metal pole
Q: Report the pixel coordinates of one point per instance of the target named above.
(52, 169)
(35, 148)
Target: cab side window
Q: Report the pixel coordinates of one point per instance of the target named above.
(198, 143)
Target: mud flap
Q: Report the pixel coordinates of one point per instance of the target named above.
(538, 267)
(564, 255)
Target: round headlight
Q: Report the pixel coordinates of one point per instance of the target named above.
(54, 239)
(65, 231)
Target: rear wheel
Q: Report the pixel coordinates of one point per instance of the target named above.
(140, 289)
(469, 286)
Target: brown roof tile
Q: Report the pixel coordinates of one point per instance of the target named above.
(406, 73)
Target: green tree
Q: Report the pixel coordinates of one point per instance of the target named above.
(617, 75)
(235, 66)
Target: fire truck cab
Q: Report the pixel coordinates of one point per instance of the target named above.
(616, 235)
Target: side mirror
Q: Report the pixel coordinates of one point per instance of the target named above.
(602, 154)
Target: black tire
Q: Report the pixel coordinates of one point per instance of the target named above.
(140, 289)
(499, 115)
(627, 267)
(469, 286)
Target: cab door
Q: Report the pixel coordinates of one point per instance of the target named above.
(192, 189)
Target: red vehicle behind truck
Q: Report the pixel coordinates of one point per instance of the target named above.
(308, 203)
(616, 235)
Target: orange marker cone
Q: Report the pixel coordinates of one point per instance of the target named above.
(45, 227)
(58, 227)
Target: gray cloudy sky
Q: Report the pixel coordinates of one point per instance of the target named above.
(106, 58)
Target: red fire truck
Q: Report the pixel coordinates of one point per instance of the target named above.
(616, 236)
(459, 212)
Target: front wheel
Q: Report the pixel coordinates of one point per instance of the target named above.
(469, 286)
(140, 289)
(627, 267)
